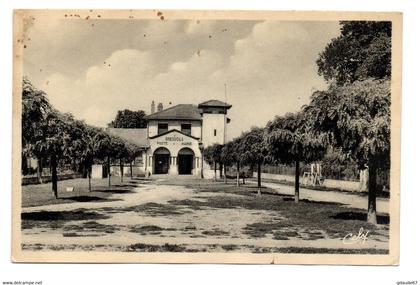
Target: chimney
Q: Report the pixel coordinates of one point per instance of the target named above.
(160, 107)
(152, 107)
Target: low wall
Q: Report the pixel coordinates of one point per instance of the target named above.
(137, 170)
(353, 186)
(47, 178)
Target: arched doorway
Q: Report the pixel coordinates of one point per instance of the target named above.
(161, 158)
(185, 161)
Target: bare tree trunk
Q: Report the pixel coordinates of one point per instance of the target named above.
(131, 169)
(89, 174)
(371, 214)
(224, 174)
(121, 171)
(297, 170)
(108, 162)
(259, 178)
(221, 170)
(54, 178)
(237, 174)
(215, 171)
(39, 169)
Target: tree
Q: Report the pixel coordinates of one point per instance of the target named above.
(35, 107)
(363, 50)
(254, 150)
(133, 151)
(231, 154)
(357, 118)
(227, 157)
(55, 132)
(129, 119)
(290, 140)
(212, 156)
(106, 150)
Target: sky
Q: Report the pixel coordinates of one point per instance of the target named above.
(93, 68)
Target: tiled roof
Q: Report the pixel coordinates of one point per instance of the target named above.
(134, 136)
(214, 103)
(177, 112)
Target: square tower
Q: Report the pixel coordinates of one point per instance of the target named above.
(214, 116)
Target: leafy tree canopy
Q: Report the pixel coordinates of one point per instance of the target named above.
(253, 146)
(357, 118)
(363, 50)
(129, 119)
(290, 139)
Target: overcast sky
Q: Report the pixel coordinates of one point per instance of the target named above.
(92, 68)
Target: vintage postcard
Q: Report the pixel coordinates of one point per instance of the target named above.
(163, 136)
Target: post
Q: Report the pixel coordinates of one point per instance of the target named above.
(297, 170)
(54, 175)
(371, 214)
(131, 169)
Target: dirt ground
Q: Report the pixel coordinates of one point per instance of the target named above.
(201, 216)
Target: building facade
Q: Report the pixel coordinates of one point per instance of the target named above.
(175, 137)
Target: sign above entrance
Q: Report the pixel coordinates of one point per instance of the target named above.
(174, 137)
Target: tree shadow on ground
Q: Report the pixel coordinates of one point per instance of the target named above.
(88, 199)
(131, 185)
(306, 201)
(77, 215)
(381, 219)
(115, 191)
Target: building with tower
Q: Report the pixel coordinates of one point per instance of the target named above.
(175, 137)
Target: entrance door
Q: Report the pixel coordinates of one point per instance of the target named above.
(185, 161)
(161, 161)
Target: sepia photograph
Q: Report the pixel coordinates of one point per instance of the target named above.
(169, 136)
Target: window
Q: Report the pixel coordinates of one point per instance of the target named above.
(186, 129)
(162, 128)
(215, 132)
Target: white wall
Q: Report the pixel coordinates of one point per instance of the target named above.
(210, 123)
(175, 125)
(174, 144)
